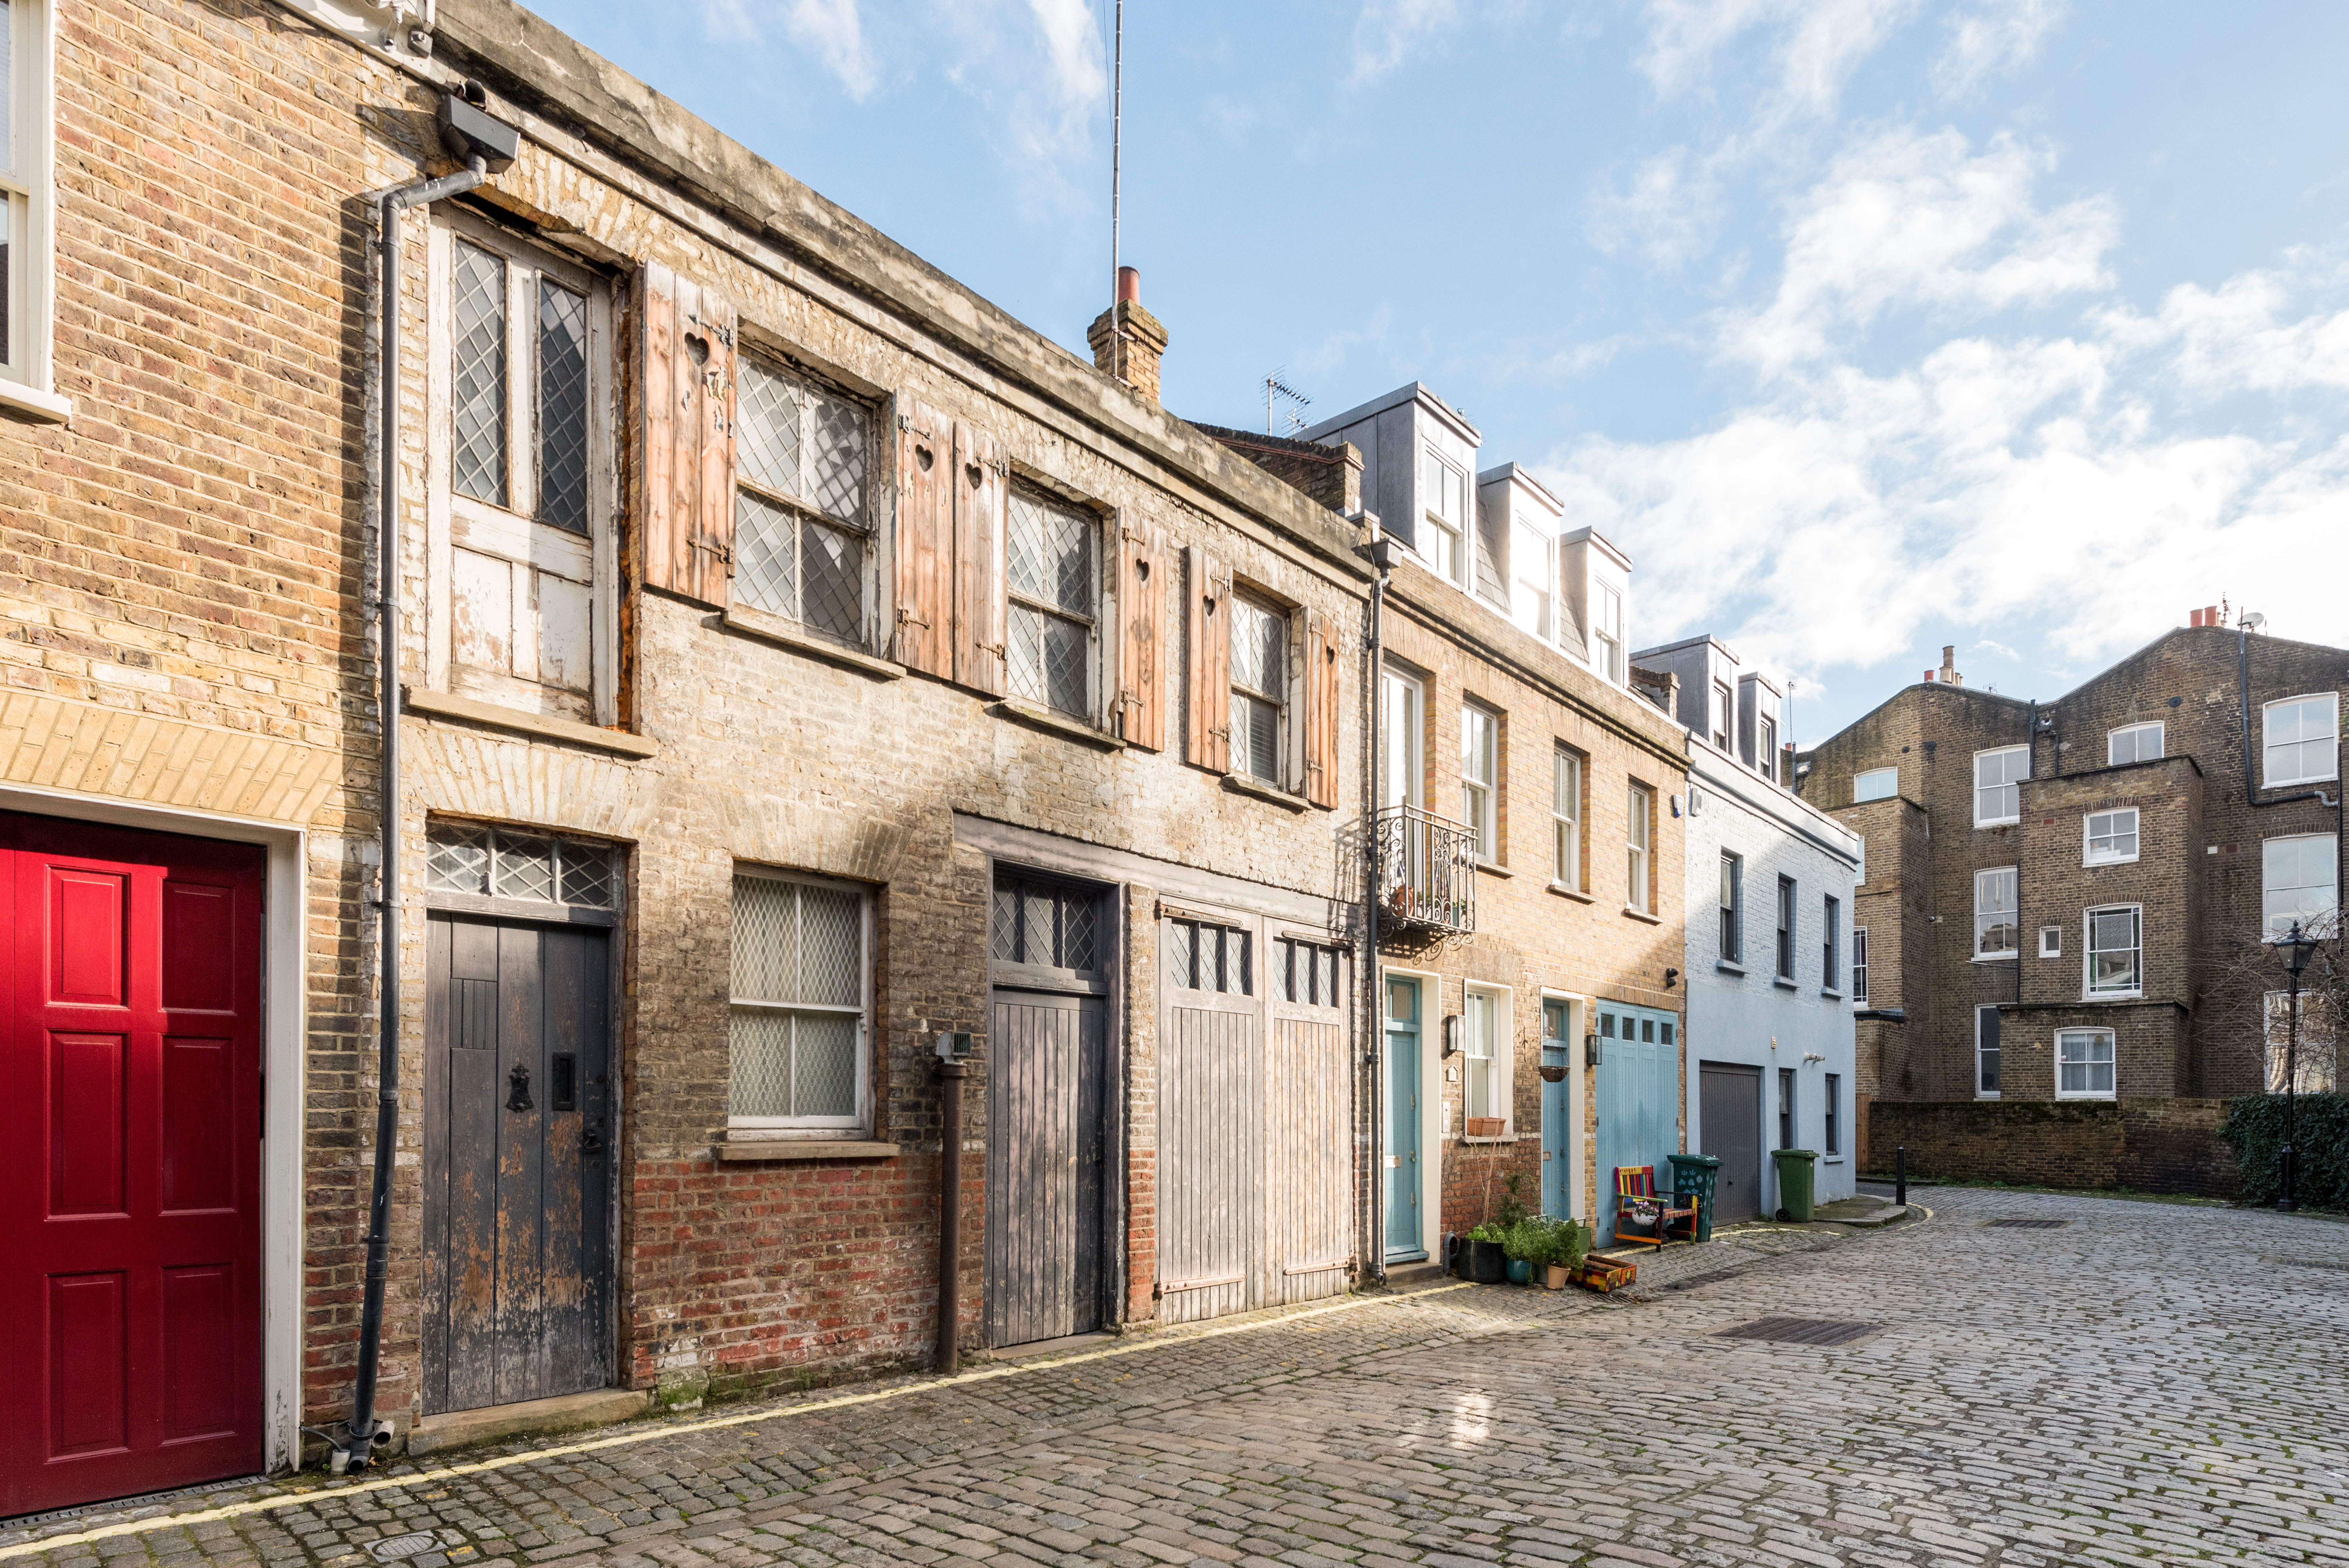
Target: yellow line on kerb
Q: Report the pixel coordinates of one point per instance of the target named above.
(653, 1433)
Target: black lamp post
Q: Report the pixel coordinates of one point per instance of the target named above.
(2297, 949)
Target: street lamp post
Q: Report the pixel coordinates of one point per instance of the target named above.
(2297, 949)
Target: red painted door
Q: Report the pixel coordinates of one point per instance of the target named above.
(130, 1305)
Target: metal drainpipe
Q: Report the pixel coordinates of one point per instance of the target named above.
(366, 1432)
(1374, 1258)
(949, 1352)
(2030, 771)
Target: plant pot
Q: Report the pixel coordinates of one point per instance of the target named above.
(1521, 1271)
(1482, 1262)
(1556, 1276)
(1485, 1126)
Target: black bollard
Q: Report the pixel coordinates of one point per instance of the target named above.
(1900, 1176)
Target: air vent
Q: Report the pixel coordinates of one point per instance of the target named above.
(399, 1548)
(2024, 1224)
(1800, 1331)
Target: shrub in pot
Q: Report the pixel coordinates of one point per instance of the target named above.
(1481, 1257)
(1546, 1249)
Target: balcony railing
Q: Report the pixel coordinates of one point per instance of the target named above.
(1427, 872)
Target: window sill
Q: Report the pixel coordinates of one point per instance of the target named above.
(35, 406)
(1243, 784)
(777, 1149)
(2089, 999)
(1044, 718)
(1783, 983)
(1830, 994)
(1495, 868)
(1504, 1138)
(1577, 894)
(1723, 967)
(785, 634)
(1641, 915)
(1993, 958)
(2001, 822)
(537, 726)
(2118, 860)
(2107, 1094)
(1834, 1159)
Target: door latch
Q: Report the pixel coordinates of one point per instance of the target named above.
(518, 1094)
(591, 1140)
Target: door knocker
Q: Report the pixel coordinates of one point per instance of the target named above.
(519, 1096)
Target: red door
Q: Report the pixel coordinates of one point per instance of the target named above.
(130, 1307)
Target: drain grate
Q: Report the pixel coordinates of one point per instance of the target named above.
(1800, 1331)
(399, 1548)
(2024, 1224)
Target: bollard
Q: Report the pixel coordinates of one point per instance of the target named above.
(1900, 1176)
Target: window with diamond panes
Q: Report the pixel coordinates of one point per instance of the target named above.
(1054, 590)
(1259, 687)
(505, 863)
(799, 1020)
(484, 397)
(801, 547)
(1050, 925)
(1211, 957)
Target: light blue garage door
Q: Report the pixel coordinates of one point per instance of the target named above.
(1639, 1099)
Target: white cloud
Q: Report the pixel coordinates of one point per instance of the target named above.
(1072, 49)
(831, 30)
(1668, 210)
(1904, 219)
(1038, 71)
(2234, 339)
(1999, 35)
(1820, 43)
(1390, 32)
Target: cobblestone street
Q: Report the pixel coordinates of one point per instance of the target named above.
(2143, 1383)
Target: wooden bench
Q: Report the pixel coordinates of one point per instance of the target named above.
(1637, 1184)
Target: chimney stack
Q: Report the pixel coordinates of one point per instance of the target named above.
(1127, 340)
(1950, 666)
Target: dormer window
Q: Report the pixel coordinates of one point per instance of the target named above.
(1529, 563)
(1607, 632)
(1445, 501)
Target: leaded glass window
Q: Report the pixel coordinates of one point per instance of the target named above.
(1052, 620)
(800, 1003)
(802, 542)
(1259, 686)
(515, 863)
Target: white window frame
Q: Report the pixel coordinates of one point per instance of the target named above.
(2269, 777)
(1403, 719)
(2134, 734)
(1859, 964)
(1864, 785)
(1638, 840)
(1765, 747)
(1278, 614)
(1859, 872)
(2067, 1038)
(1500, 1065)
(1480, 797)
(1451, 561)
(1533, 600)
(29, 190)
(2011, 910)
(1733, 907)
(2002, 753)
(1831, 946)
(1722, 718)
(511, 533)
(2089, 951)
(2270, 927)
(1785, 930)
(1565, 818)
(1980, 1050)
(2110, 855)
(1607, 634)
(814, 1126)
(2051, 941)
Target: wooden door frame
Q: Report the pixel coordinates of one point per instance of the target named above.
(283, 1022)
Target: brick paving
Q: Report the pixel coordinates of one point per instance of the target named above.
(2148, 1384)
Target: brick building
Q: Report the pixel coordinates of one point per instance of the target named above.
(2062, 901)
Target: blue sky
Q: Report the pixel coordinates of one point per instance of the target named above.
(1864, 325)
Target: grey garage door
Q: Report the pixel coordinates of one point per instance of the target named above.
(1729, 1113)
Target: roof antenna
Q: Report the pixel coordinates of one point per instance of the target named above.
(1274, 387)
(1116, 179)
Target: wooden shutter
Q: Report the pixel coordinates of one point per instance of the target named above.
(980, 494)
(1210, 698)
(1321, 710)
(686, 475)
(924, 587)
(1141, 657)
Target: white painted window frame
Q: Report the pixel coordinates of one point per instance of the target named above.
(2013, 909)
(1460, 531)
(1404, 754)
(1566, 783)
(2051, 941)
(2112, 741)
(2089, 990)
(1638, 841)
(1980, 1092)
(1863, 791)
(1859, 965)
(1480, 798)
(2090, 856)
(2270, 779)
(2014, 784)
(2064, 1037)
(1502, 1077)
(28, 188)
(784, 1128)
(2269, 931)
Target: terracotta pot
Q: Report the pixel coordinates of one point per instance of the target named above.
(1556, 1276)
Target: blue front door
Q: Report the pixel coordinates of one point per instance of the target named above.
(1558, 1107)
(1639, 1099)
(1406, 1236)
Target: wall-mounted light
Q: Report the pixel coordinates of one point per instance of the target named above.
(1590, 1050)
(1453, 1024)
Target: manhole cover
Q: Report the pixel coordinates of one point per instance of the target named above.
(397, 1548)
(2024, 1224)
(1800, 1331)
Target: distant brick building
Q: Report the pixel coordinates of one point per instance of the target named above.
(2062, 900)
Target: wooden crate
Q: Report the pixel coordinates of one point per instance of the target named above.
(1605, 1274)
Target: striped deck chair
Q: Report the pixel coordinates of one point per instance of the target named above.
(1636, 1184)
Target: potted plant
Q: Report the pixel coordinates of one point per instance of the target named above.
(1480, 1258)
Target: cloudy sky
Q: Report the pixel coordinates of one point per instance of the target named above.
(1865, 326)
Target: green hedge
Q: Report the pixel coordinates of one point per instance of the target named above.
(2254, 1130)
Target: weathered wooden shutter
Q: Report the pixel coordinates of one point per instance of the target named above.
(925, 585)
(1141, 657)
(1321, 710)
(686, 475)
(1210, 696)
(980, 493)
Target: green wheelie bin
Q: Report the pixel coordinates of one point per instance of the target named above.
(1692, 1177)
(1796, 1168)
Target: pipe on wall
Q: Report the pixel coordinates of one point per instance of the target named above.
(950, 1080)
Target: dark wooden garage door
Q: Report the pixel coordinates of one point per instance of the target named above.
(517, 1162)
(1728, 1124)
(130, 1300)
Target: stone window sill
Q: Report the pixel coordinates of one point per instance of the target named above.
(1993, 958)
(536, 726)
(1495, 868)
(35, 406)
(785, 634)
(1242, 784)
(1044, 718)
(1577, 894)
(1641, 915)
(1504, 1138)
(1783, 983)
(1831, 996)
(776, 1150)
(1724, 966)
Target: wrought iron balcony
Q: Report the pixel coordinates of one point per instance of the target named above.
(1427, 872)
